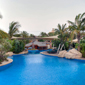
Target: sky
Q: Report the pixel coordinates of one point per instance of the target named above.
(37, 16)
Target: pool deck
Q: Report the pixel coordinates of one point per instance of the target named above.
(6, 62)
(45, 53)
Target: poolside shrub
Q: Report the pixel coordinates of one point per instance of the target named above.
(76, 45)
(17, 46)
(66, 45)
(82, 41)
(5, 46)
(56, 43)
(82, 49)
(25, 41)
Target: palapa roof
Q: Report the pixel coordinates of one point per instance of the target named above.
(40, 44)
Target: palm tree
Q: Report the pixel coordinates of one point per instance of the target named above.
(51, 34)
(61, 31)
(32, 35)
(77, 27)
(3, 34)
(13, 28)
(43, 34)
(24, 34)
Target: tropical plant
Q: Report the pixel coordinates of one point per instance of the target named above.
(82, 47)
(13, 28)
(56, 42)
(43, 34)
(5, 46)
(51, 34)
(66, 45)
(3, 34)
(26, 41)
(24, 34)
(77, 27)
(17, 35)
(62, 32)
(17, 46)
(32, 35)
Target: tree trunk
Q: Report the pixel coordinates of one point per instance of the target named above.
(78, 37)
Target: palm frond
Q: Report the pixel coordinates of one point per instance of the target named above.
(71, 23)
(72, 35)
(63, 27)
(59, 26)
(82, 15)
(13, 28)
(3, 34)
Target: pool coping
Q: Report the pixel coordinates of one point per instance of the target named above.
(6, 62)
(45, 53)
(10, 60)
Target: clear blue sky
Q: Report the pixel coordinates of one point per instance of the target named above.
(36, 16)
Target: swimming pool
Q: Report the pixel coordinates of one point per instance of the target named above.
(38, 69)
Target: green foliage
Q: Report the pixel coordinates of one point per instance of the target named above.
(17, 35)
(51, 34)
(67, 44)
(43, 34)
(3, 34)
(17, 46)
(62, 32)
(13, 28)
(24, 34)
(73, 45)
(32, 35)
(41, 40)
(5, 46)
(77, 27)
(82, 41)
(82, 47)
(25, 41)
(76, 45)
(56, 42)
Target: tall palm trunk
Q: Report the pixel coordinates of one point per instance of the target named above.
(78, 37)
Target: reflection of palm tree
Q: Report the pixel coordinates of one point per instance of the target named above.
(77, 27)
(13, 28)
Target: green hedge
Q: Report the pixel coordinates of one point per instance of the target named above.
(17, 46)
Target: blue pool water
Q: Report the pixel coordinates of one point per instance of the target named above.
(37, 69)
